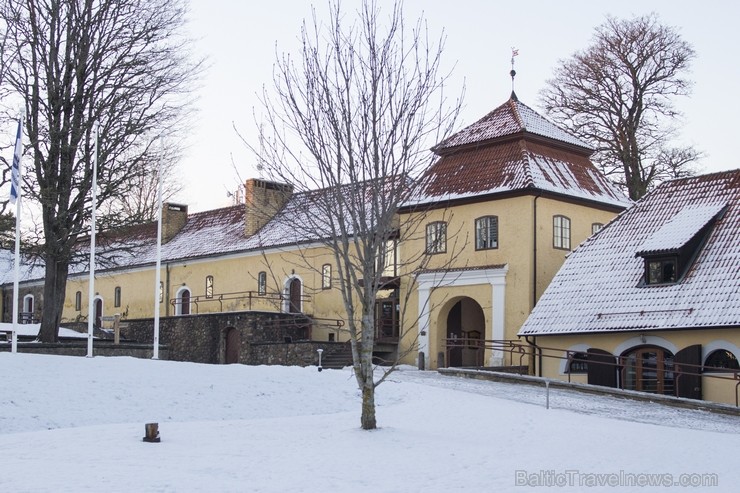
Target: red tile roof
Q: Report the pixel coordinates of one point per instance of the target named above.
(501, 154)
(511, 118)
(600, 286)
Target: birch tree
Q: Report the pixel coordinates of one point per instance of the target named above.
(75, 64)
(351, 119)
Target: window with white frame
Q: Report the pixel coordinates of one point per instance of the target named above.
(182, 301)
(117, 297)
(326, 276)
(721, 360)
(596, 227)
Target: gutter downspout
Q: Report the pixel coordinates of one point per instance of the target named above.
(167, 290)
(535, 350)
(533, 301)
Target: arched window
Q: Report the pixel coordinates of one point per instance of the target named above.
(326, 276)
(117, 297)
(209, 287)
(721, 359)
(561, 232)
(648, 369)
(27, 315)
(182, 301)
(577, 363)
(78, 300)
(486, 232)
(262, 283)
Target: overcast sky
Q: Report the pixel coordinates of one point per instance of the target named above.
(240, 40)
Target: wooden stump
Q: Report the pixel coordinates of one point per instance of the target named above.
(152, 432)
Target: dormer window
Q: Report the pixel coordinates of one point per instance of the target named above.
(669, 252)
(661, 271)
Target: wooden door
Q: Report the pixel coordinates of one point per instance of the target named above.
(294, 296)
(98, 312)
(233, 346)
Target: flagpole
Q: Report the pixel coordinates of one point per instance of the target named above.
(91, 283)
(157, 269)
(15, 194)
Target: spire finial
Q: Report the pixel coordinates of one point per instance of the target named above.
(514, 52)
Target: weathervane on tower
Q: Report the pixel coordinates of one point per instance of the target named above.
(514, 52)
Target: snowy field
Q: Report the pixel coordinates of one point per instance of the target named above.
(76, 425)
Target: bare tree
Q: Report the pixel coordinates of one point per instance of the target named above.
(349, 123)
(140, 204)
(617, 95)
(118, 64)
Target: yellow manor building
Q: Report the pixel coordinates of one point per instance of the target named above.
(488, 226)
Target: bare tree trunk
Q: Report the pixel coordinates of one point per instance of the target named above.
(368, 406)
(55, 286)
(365, 378)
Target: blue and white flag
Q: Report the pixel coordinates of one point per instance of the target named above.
(15, 177)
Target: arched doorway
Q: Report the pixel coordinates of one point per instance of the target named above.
(98, 312)
(182, 301)
(294, 295)
(648, 369)
(466, 329)
(233, 346)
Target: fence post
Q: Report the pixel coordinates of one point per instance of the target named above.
(117, 328)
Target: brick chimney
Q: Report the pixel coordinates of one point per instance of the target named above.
(174, 217)
(263, 199)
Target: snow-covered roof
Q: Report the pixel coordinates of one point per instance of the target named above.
(680, 229)
(205, 234)
(511, 118)
(515, 165)
(600, 286)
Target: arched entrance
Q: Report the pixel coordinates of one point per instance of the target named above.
(182, 301)
(294, 295)
(466, 329)
(233, 346)
(648, 369)
(98, 312)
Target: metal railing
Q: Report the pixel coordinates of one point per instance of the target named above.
(248, 297)
(518, 350)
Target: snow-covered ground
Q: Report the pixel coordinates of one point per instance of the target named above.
(76, 424)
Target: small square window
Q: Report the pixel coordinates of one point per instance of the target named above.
(661, 271)
(596, 227)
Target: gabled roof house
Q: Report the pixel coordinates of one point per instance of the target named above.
(652, 301)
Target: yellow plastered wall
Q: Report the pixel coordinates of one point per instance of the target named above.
(516, 249)
(233, 276)
(717, 387)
